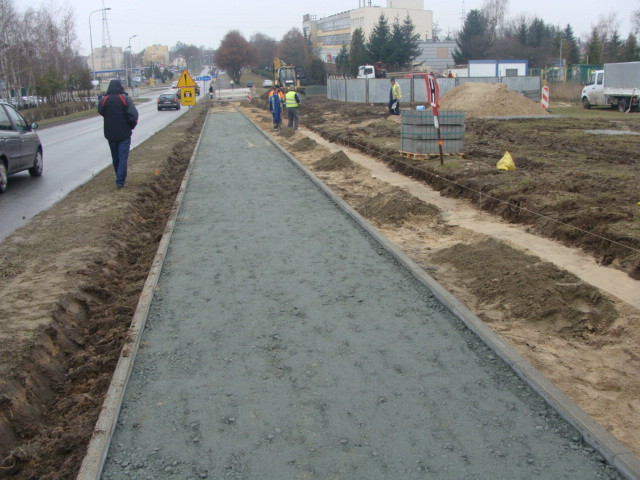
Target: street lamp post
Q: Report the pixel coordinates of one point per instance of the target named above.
(93, 63)
(131, 63)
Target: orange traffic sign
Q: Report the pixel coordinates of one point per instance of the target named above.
(185, 80)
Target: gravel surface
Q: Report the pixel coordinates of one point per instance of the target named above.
(284, 343)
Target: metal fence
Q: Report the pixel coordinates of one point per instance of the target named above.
(369, 90)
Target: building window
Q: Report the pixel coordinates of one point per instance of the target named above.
(511, 72)
(443, 52)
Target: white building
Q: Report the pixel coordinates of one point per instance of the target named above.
(329, 33)
(493, 68)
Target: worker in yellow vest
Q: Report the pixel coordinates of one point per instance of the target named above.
(394, 98)
(292, 100)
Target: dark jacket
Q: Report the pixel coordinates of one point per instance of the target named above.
(119, 112)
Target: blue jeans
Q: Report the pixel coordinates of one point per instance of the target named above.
(119, 155)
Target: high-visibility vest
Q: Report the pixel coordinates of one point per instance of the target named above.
(291, 100)
(395, 91)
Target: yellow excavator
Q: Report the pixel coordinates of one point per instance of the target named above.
(286, 76)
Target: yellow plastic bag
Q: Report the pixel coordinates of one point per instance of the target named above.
(506, 162)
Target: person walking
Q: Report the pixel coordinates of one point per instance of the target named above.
(211, 91)
(394, 98)
(276, 103)
(292, 101)
(120, 118)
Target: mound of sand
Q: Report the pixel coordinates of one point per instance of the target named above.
(395, 207)
(489, 100)
(304, 144)
(336, 161)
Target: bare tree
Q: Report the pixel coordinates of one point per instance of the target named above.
(495, 11)
(293, 48)
(235, 54)
(265, 49)
(635, 22)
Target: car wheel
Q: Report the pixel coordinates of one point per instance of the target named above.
(585, 103)
(159, 109)
(38, 165)
(4, 179)
(623, 105)
(178, 107)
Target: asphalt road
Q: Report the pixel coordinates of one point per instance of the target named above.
(73, 153)
(283, 342)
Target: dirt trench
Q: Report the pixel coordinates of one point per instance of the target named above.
(59, 371)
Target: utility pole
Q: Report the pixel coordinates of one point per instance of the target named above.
(93, 63)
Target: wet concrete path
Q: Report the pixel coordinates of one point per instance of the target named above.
(283, 343)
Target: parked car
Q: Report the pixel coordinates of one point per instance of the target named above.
(20, 147)
(248, 84)
(169, 100)
(267, 83)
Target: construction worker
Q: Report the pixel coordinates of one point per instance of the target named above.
(394, 98)
(276, 103)
(292, 100)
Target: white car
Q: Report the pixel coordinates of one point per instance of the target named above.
(267, 83)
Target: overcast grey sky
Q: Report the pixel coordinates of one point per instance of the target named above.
(204, 23)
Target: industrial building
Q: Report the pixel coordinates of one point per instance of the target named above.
(330, 33)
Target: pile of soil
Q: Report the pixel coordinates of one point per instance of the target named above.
(571, 308)
(286, 132)
(304, 145)
(395, 207)
(489, 100)
(335, 161)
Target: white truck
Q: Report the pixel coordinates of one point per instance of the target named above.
(617, 86)
(371, 71)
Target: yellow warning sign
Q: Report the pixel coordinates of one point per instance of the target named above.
(188, 96)
(185, 80)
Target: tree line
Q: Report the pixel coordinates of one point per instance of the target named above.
(394, 46)
(487, 34)
(38, 51)
(237, 54)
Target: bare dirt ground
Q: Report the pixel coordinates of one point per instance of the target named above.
(70, 280)
(69, 283)
(581, 337)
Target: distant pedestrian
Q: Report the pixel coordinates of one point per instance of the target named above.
(394, 98)
(276, 104)
(231, 84)
(211, 91)
(292, 101)
(120, 118)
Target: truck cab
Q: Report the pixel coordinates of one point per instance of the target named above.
(593, 91)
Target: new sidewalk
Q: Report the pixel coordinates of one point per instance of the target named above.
(284, 341)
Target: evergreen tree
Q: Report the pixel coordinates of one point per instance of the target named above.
(316, 71)
(358, 52)
(395, 58)
(410, 41)
(379, 45)
(593, 54)
(570, 50)
(537, 33)
(630, 51)
(612, 48)
(472, 42)
(342, 61)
